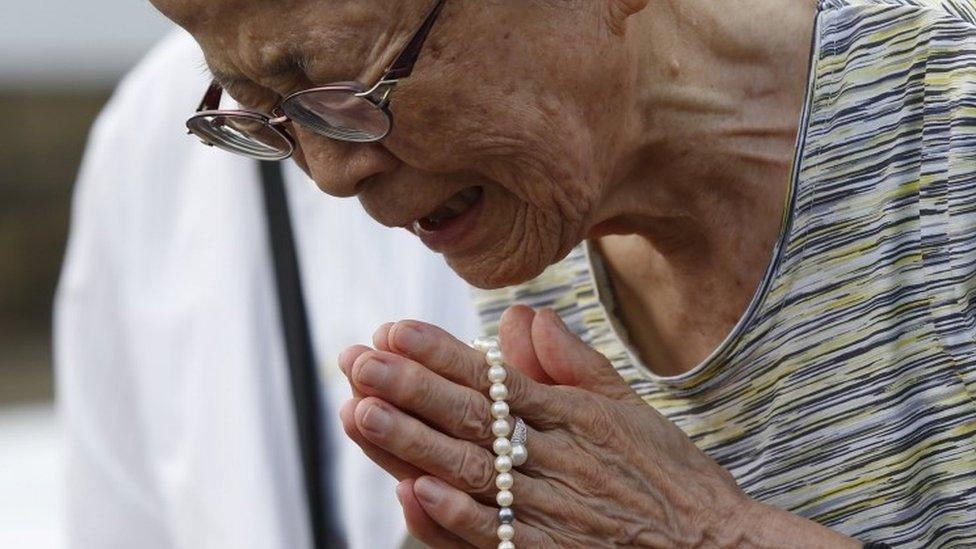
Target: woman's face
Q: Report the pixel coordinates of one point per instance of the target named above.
(508, 122)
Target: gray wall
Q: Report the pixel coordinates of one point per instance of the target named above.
(59, 60)
(73, 43)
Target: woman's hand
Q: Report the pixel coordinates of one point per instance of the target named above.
(604, 468)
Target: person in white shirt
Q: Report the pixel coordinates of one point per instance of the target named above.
(172, 376)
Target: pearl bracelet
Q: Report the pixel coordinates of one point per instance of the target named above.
(509, 452)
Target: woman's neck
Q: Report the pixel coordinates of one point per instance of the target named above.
(688, 229)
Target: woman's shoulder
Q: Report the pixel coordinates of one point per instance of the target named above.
(963, 10)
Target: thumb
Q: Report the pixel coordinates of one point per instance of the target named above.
(515, 338)
(570, 361)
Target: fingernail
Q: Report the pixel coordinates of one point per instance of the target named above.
(429, 491)
(377, 420)
(398, 492)
(409, 338)
(373, 373)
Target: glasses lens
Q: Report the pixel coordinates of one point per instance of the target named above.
(241, 134)
(338, 114)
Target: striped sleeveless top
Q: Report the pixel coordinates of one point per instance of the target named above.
(847, 391)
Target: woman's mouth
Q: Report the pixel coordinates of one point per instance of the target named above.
(443, 229)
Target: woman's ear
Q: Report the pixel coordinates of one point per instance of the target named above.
(618, 11)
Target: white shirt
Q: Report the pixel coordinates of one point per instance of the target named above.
(172, 380)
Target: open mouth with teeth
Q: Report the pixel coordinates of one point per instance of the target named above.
(453, 208)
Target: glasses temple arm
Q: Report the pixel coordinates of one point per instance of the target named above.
(402, 66)
(211, 99)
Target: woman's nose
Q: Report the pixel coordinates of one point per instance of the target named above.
(339, 167)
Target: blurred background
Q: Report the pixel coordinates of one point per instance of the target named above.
(60, 61)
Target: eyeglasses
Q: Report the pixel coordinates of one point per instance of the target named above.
(345, 111)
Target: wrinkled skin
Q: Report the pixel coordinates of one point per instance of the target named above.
(471, 115)
(597, 452)
(662, 131)
(604, 469)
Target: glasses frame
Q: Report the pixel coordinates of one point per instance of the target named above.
(379, 94)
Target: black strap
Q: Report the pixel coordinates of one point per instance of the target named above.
(301, 359)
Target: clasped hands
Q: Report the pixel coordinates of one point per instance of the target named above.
(605, 469)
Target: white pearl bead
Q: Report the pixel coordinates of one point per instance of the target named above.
(499, 410)
(501, 428)
(494, 356)
(504, 498)
(504, 481)
(503, 464)
(506, 532)
(519, 455)
(483, 343)
(506, 545)
(497, 374)
(498, 391)
(502, 446)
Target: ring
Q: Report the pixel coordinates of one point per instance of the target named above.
(520, 453)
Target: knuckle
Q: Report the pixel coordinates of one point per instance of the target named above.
(467, 518)
(475, 470)
(423, 397)
(474, 423)
(417, 447)
(460, 518)
(598, 425)
(560, 404)
(450, 357)
(454, 516)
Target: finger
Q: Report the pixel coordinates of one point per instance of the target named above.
(456, 410)
(439, 351)
(346, 359)
(477, 524)
(390, 463)
(419, 524)
(456, 361)
(570, 361)
(515, 335)
(467, 466)
(534, 498)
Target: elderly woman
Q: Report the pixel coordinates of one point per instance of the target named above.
(757, 219)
